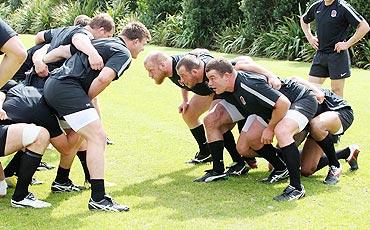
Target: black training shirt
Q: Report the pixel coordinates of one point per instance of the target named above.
(115, 56)
(332, 22)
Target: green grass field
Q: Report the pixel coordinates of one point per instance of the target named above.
(147, 165)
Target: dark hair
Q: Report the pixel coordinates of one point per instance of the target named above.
(102, 20)
(190, 62)
(221, 65)
(135, 30)
(82, 20)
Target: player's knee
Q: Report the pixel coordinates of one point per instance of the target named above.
(211, 121)
(307, 170)
(35, 135)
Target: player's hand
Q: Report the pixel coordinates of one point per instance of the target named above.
(274, 82)
(183, 107)
(314, 42)
(267, 136)
(96, 62)
(3, 115)
(41, 69)
(341, 46)
(320, 96)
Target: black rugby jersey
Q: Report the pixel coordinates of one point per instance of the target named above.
(115, 56)
(332, 102)
(200, 88)
(25, 104)
(332, 22)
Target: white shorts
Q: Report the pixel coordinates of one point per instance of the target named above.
(231, 110)
(298, 117)
(252, 118)
(81, 118)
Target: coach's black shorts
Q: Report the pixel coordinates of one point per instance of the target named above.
(3, 135)
(6, 32)
(333, 65)
(66, 96)
(346, 117)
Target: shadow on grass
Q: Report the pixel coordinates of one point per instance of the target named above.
(236, 198)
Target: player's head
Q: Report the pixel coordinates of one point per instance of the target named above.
(102, 26)
(156, 65)
(136, 36)
(219, 72)
(189, 68)
(82, 20)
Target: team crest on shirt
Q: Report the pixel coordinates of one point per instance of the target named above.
(242, 100)
(333, 13)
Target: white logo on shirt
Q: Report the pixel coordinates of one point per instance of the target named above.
(318, 11)
(242, 100)
(88, 105)
(333, 13)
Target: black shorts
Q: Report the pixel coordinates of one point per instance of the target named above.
(306, 105)
(333, 65)
(66, 96)
(346, 117)
(3, 135)
(6, 32)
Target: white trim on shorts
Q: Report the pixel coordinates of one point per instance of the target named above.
(251, 119)
(81, 118)
(298, 117)
(231, 110)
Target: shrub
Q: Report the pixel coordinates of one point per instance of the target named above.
(361, 54)
(169, 31)
(234, 39)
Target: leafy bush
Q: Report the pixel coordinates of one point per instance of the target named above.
(287, 41)
(169, 31)
(154, 11)
(361, 54)
(234, 39)
(205, 18)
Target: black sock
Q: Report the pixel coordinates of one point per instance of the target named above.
(230, 145)
(97, 189)
(12, 168)
(27, 167)
(322, 163)
(327, 146)
(291, 158)
(216, 148)
(82, 156)
(269, 153)
(62, 175)
(344, 153)
(200, 137)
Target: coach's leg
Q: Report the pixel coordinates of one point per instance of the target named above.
(337, 86)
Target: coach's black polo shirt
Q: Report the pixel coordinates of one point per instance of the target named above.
(332, 22)
(200, 88)
(115, 56)
(6, 32)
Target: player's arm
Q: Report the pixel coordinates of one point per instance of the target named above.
(320, 96)
(305, 20)
(83, 43)
(41, 68)
(247, 64)
(105, 77)
(39, 38)
(281, 108)
(61, 53)
(185, 100)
